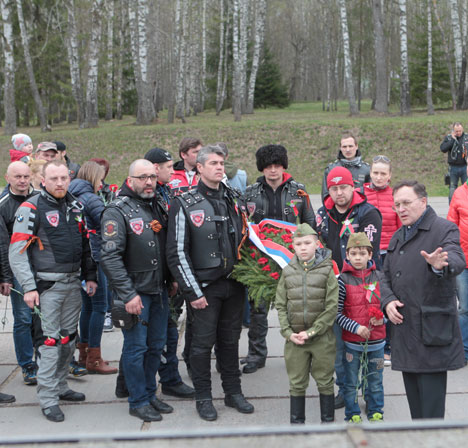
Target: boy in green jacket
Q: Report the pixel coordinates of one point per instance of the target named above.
(307, 303)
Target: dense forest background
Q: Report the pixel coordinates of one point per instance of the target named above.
(82, 61)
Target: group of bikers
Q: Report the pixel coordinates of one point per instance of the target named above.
(171, 234)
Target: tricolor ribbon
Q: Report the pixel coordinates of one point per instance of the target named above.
(277, 252)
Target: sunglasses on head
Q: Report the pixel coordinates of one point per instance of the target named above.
(381, 158)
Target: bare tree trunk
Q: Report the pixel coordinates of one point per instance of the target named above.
(219, 84)
(405, 102)
(259, 36)
(381, 86)
(243, 38)
(181, 24)
(41, 114)
(9, 69)
(430, 105)
(71, 39)
(457, 38)
(203, 69)
(119, 74)
(347, 59)
(453, 91)
(92, 115)
(110, 59)
(237, 65)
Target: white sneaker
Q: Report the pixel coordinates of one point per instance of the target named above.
(108, 326)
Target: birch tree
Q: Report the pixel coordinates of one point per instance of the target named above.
(430, 105)
(119, 73)
(243, 38)
(219, 83)
(236, 78)
(110, 59)
(405, 102)
(457, 37)
(8, 69)
(381, 79)
(181, 48)
(448, 59)
(260, 15)
(203, 68)
(71, 41)
(347, 59)
(92, 115)
(41, 114)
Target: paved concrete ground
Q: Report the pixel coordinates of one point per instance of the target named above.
(102, 413)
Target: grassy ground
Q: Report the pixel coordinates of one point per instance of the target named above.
(310, 135)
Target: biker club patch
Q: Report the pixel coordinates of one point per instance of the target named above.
(137, 225)
(110, 228)
(53, 218)
(251, 206)
(197, 217)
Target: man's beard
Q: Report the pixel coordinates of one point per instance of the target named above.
(144, 195)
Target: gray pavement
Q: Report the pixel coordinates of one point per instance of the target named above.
(103, 414)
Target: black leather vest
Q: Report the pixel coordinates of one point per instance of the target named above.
(142, 252)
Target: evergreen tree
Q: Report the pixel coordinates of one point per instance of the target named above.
(269, 88)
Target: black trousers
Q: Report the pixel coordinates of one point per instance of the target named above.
(220, 322)
(426, 394)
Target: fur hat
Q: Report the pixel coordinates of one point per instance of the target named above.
(271, 155)
(339, 176)
(358, 240)
(20, 141)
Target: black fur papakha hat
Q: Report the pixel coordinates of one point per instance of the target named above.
(271, 155)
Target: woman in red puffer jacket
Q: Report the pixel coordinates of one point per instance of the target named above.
(380, 195)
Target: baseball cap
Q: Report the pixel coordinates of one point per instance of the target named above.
(158, 155)
(45, 146)
(60, 146)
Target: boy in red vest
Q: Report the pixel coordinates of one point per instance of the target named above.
(360, 317)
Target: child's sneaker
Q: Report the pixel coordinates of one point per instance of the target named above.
(77, 370)
(356, 419)
(108, 325)
(376, 417)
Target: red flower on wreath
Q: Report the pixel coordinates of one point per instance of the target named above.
(286, 238)
(275, 275)
(266, 268)
(262, 236)
(262, 260)
(253, 255)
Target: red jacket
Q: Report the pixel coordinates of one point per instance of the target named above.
(16, 155)
(458, 214)
(383, 200)
(359, 298)
(179, 183)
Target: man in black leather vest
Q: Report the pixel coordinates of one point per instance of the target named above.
(133, 259)
(275, 195)
(205, 232)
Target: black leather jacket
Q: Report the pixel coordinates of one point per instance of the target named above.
(204, 234)
(132, 253)
(360, 171)
(9, 203)
(456, 149)
(262, 202)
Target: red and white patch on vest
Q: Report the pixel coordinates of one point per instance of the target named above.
(318, 219)
(197, 217)
(53, 218)
(137, 225)
(251, 206)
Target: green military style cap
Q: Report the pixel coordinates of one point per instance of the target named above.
(304, 230)
(358, 240)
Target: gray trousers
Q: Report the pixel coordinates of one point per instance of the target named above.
(60, 309)
(258, 331)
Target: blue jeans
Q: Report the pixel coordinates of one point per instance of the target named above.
(456, 172)
(22, 327)
(142, 348)
(169, 367)
(462, 287)
(339, 359)
(374, 391)
(93, 312)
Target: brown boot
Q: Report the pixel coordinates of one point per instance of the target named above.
(95, 364)
(83, 348)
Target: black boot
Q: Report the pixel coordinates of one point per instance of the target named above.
(327, 408)
(297, 409)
